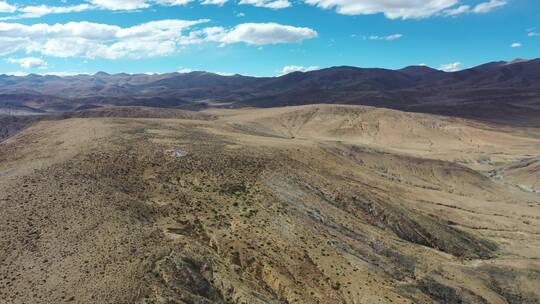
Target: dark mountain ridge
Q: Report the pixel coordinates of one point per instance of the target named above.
(497, 91)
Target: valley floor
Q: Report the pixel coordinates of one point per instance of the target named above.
(312, 204)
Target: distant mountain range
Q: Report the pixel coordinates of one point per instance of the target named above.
(497, 91)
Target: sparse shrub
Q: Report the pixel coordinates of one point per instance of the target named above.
(233, 189)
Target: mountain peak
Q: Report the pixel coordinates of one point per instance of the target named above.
(517, 60)
(418, 70)
(102, 74)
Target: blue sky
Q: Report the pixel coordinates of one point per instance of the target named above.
(261, 37)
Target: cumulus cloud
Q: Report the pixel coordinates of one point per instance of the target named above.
(272, 4)
(533, 34)
(92, 40)
(254, 34)
(267, 33)
(297, 68)
(393, 9)
(156, 38)
(386, 38)
(35, 11)
(515, 45)
(42, 10)
(6, 7)
(29, 62)
(451, 67)
(10, 45)
(120, 4)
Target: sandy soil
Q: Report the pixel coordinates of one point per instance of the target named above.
(315, 204)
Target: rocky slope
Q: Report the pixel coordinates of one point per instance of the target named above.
(93, 211)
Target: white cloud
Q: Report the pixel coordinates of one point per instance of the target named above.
(296, 68)
(515, 45)
(488, 6)
(120, 4)
(6, 7)
(224, 73)
(173, 2)
(462, 9)
(17, 73)
(126, 5)
(29, 62)
(386, 38)
(451, 67)
(10, 45)
(480, 8)
(393, 9)
(34, 11)
(214, 2)
(272, 4)
(185, 71)
(259, 34)
(533, 34)
(42, 10)
(169, 28)
(156, 38)
(92, 40)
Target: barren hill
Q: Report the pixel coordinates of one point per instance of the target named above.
(311, 204)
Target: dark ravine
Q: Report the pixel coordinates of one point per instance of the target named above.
(10, 125)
